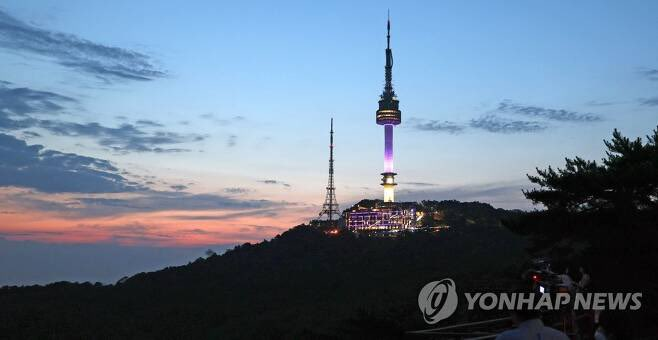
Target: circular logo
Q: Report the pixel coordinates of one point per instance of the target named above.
(438, 300)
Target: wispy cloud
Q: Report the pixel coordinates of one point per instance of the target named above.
(229, 216)
(222, 120)
(547, 113)
(93, 187)
(649, 73)
(32, 166)
(436, 125)
(231, 141)
(274, 182)
(178, 187)
(600, 103)
(124, 138)
(149, 201)
(236, 190)
(420, 184)
(493, 123)
(504, 119)
(104, 62)
(30, 134)
(653, 101)
(19, 107)
(148, 123)
(21, 101)
(503, 195)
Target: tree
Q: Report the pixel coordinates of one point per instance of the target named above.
(603, 215)
(626, 181)
(210, 253)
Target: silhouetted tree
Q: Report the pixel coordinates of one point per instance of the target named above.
(604, 215)
(625, 181)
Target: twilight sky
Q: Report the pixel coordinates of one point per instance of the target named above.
(145, 123)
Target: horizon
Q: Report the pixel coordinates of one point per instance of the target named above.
(182, 127)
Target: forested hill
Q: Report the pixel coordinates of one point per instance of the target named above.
(300, 284)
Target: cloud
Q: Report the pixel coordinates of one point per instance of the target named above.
(178, 187)
(106, 191)
(499, 120)
(231, 141)
(16, 105)
(506, 195)
(104, 62)
(8, 123)
(650, 73)
(266, 228)
(230, 216)
(222, 121)
(22, 100)
(149, 123)
(30, 134)
(124, 138)
(32, 166)
(600, 103)
(146, 201)
(274, 182)
(420, 184)
(546, 113)
(174, 200)
(493, 123)
(649, 101)
(236, 190)
(435, 125)
(129, 233)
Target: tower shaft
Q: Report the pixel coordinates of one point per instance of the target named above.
(388, 148)
(330, 206)
(388, 179)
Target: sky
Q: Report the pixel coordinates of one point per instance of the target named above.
(177, 126)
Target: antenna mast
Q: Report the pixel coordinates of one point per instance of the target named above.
(330, 206)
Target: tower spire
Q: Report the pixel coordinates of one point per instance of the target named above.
(330, 206)
(388, 29)
(388, 87)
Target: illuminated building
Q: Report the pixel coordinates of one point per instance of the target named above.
(383, 219)
(388, 115)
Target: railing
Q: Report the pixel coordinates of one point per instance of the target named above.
(478, 330)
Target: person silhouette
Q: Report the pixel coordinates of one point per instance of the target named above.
(529, 325)
(585, 280)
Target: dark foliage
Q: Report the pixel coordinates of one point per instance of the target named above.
(626, 181)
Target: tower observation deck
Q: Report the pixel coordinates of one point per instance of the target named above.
(388, 115)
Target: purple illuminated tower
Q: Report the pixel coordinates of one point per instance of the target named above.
(388, 115)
